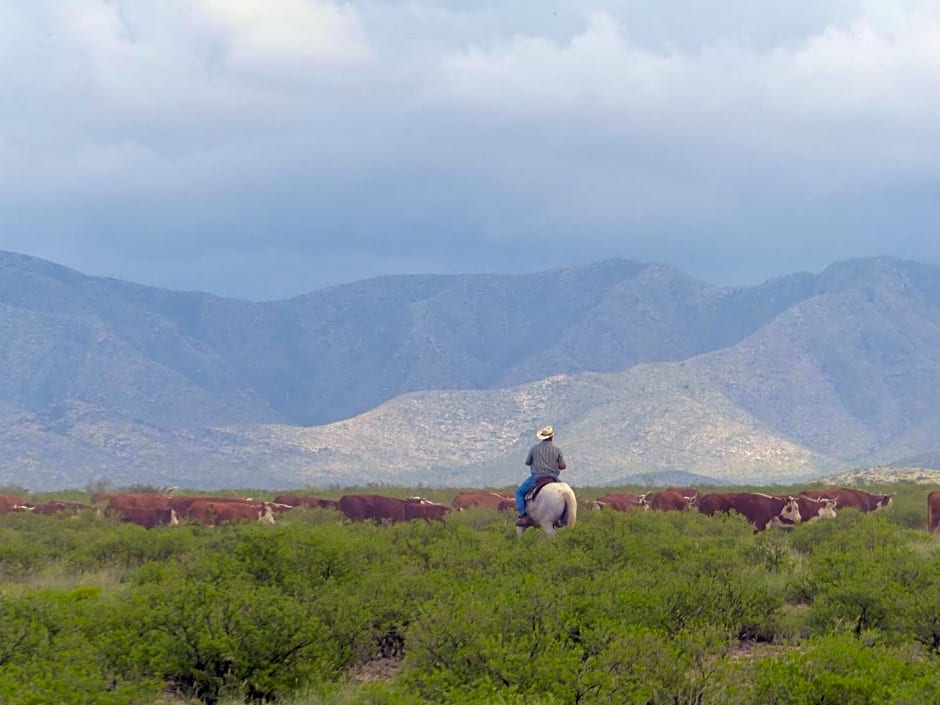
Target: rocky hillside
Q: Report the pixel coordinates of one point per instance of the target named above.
(443, 379)
(175, 359)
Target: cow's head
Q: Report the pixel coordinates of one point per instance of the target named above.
(827, 508)
(790, 513)
(266, 513)
(883, 501)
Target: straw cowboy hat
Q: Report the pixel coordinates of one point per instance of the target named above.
(545, 433)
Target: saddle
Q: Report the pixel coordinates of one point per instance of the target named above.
(540, 482)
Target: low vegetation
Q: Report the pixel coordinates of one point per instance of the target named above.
(644, 607)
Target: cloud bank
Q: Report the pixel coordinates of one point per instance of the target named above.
(261, 148)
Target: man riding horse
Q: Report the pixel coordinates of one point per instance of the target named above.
(545, 460)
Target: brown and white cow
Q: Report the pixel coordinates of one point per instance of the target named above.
(622, 502)
(213, 513)
(812, 509)
(667, 501)
(360, 507)
(850, 497)
(419, 500)
(182, 503)
(762, 510)
(933, 511)
(300, 500)
(479, 498)
(148, 517)
(11, 500)
(690, 493)
(426, 510)
(10, 503)
(55, 506)
(140, 500)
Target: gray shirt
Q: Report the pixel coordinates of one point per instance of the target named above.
(545, 458)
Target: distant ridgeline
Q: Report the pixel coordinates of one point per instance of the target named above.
(647, 374)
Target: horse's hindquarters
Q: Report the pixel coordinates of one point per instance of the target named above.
(554, 504)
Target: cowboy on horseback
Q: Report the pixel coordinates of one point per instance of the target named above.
(545, 459)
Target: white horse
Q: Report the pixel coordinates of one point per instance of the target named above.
(554, 506)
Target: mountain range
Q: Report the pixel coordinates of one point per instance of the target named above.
(646, 373)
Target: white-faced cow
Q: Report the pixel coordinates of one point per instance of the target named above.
(667, 501)
(307, 501)
(360, 507)
(55, 507)
(213, 513)
(148, 517)
(850, 497)
(10, 502)
(478, 498)
(812, 509)
(622, 502)
(690, 493)
(426, 510)
(183, 503)
(118, 503)
(762, 510)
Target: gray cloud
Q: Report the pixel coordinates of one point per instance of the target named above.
(265, 148)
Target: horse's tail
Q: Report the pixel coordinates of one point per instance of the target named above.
(571, 507)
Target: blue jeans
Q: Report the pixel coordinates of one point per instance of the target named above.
(524, 489)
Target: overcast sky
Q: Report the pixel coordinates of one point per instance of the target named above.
(264, 148)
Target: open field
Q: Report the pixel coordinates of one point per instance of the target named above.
(648, 607)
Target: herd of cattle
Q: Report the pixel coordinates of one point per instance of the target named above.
(761, 510)
(150, 509)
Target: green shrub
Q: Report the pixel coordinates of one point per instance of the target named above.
(858, 576)
(54, 651)
(213, 633)
(840, 669)
(19, 557)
